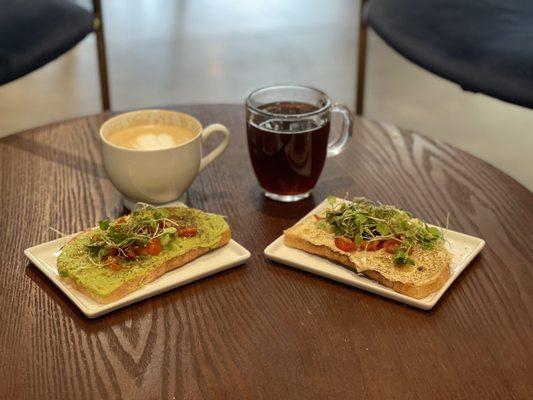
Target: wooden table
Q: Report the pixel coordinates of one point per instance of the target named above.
(262, 330)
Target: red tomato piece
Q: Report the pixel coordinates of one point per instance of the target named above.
(318, 217)
(142, 251)
(154, 247)
(344, 243)
(390, 246)
(130, 253)
(373, 245)
(113, 264)
(187, 232)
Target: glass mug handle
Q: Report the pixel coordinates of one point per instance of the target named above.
(337, 146)
(208, 159)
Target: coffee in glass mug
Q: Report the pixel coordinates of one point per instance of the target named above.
(288, 138)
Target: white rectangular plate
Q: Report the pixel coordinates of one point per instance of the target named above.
(44, 256)
(463, 248)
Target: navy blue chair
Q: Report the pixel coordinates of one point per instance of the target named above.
(485, 46)
(35, 32)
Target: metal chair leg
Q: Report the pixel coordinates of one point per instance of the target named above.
(361, 62)
(98, 27)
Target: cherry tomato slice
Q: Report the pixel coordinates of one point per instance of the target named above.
(187, 232)
(390, 246)
(130, 253)
(154, 247)
(142, 251)
(344, 243)
(113, 264)
(373, 245)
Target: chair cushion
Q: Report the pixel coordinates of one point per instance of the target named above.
(33, 33)
(483, 45)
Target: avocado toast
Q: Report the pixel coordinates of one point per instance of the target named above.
(378, 241)
(120, 256)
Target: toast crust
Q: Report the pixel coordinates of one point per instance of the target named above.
(141, 280)
(417, 291)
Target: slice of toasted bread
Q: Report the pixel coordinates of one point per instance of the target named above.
(103, 284)
(150, 276)
(429, 273)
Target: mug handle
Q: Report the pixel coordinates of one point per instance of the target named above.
(337, 146)
(208, 159)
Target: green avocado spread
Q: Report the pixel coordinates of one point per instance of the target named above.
(78, 262)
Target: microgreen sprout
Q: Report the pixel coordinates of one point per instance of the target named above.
(362, 220)
(138, 230)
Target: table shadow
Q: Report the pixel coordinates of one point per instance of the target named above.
(131, 312)
(336, 185)
(279, 209)
(51, 153)
(41, 280)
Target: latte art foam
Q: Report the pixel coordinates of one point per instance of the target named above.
(151, 137)
(152, 141)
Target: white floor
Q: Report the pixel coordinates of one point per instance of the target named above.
(172, 52)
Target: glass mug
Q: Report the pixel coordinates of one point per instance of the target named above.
(288, 138)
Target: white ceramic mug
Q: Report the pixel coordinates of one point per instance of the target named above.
(157, 176)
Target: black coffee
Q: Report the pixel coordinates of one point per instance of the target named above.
(288, 156)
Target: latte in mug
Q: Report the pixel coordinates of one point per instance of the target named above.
(151, 137)
(153, 156)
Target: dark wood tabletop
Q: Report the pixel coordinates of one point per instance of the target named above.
(263, 330)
